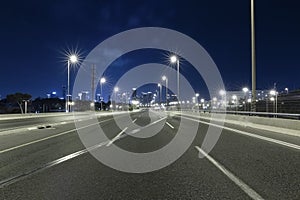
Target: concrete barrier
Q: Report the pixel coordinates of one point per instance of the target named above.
(244, 120)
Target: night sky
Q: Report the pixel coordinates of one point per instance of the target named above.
(34, 35)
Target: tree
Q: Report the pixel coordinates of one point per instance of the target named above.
(18, 98)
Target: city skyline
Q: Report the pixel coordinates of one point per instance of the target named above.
(35, 35)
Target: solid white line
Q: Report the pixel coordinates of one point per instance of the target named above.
(249, 191)
(117, 137)
(52, 136)
(172, 127)
(294, 146)
(134, 121)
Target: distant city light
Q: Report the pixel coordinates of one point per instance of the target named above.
(273, 92)
(102, 80)
(222, 92)
(245, 89)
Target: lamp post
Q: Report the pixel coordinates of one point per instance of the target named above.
(274, 93)
(253, 104)
(71, 59)
(164, 78)
(160, 92)
(234, 97)
(102, 80)
(286, 90)
(174, 59)
(245, 90)
(116, 89)
(223, 93)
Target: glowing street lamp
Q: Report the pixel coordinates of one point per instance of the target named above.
(160, 92)
(223, 93)
(116, 89)
(287, 90)
(174, 59)
(102, 81)
(72, 59)
(245, 90)
(274, 93)
(234, 97)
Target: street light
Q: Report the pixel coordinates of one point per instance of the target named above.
(160, 92)
(253, 58)
(174, 59)
(72, 59)
(164, 78)
(223, 93)
(116, 89)
(287, 90)
(274, 93)
(234, 97)
(245, 90)
(102, 80)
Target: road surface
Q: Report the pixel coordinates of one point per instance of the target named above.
(52, 163)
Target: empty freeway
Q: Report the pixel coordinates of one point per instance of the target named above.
(52, 163)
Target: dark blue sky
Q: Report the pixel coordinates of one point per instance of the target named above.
(34, 33)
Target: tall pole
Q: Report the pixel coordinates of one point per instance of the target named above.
(25, 106)
(167, 91)
(101, 95)
(68, 93)
(253, 105)
(93, 83)
(276, 108)
(178, 90)
(160, 94)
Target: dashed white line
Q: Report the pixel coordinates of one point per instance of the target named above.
(117, 137)
(134, 121)
(172, 127)
(247, 189)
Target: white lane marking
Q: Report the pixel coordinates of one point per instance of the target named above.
(294, 146)
(14, 179)
(249, 191)
(134, 121)
(139, 129)
(63, 122)
(135, 131)
(52, 136)
(172, 127)
(117, 137)
(31, 128)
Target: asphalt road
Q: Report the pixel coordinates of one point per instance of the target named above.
(52, 163)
